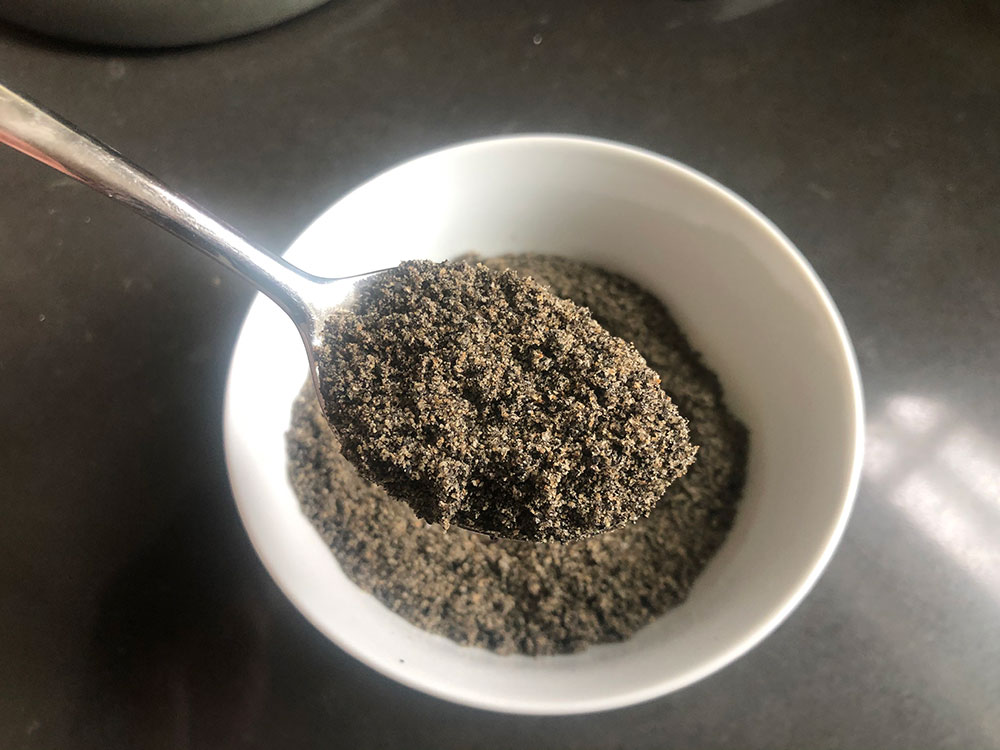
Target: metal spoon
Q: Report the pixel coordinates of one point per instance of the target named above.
(307, 299)
(42, 135)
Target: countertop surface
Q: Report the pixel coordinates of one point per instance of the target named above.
(133, 610)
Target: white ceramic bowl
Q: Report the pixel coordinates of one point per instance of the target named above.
(745, 296)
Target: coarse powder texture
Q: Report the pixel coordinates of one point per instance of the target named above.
(485, 401)
(517, 597)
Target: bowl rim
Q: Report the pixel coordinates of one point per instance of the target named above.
(723, 658)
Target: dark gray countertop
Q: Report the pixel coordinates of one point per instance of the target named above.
(133, 611)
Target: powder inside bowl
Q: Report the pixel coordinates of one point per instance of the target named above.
(483, 400)
(512, 596)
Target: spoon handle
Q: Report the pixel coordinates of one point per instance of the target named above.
(42, 135)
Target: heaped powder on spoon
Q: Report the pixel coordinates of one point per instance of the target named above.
(518, 597)
(485, 401)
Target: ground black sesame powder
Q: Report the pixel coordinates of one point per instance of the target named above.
(517, 597)
(483, 400)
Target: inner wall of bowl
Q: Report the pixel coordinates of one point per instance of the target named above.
(745, 301)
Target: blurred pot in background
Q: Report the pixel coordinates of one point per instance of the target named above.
(150, 23)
